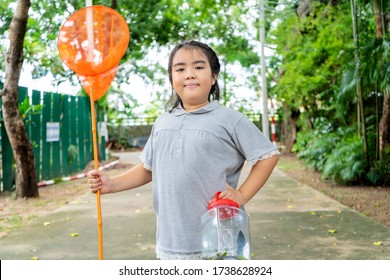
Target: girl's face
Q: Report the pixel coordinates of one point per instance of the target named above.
(192, 78)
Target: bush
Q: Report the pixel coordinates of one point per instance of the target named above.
(346, 163)
(337, 154)
(379, 173)
(314, 146)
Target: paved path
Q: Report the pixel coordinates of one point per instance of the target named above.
(288, 221)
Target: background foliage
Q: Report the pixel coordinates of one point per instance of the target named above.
(314, 74)
(311, 69)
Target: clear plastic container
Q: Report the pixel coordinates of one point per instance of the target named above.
(225, 231)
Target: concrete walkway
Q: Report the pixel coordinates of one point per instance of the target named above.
(288, 221)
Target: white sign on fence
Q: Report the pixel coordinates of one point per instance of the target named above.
(103, 132)
(52, 131)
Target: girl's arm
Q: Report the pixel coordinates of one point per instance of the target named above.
(133, 178)
(256, 179)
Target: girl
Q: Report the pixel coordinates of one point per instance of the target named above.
(195, 149)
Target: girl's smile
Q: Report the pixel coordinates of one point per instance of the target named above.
(191, 85)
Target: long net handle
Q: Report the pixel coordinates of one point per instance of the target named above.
(96, 165)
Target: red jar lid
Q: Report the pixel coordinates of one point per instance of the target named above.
(222, 202)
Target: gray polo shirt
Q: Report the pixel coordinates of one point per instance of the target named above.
(192, 155)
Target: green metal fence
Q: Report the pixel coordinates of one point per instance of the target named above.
(60, 134)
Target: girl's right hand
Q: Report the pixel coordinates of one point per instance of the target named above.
(98, 180)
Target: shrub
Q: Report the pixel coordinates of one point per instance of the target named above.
(314, 146)
(346, 163)
(337, 154)
(379, 173)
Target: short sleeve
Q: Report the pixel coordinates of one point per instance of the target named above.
(251, 142)
(146, 156)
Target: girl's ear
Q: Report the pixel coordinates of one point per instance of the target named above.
(215, 78)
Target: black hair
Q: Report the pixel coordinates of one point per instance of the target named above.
(214, 64)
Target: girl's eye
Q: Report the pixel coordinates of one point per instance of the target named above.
(179, 69)
(199, 67)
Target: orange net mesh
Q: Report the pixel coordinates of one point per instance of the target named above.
(97, 86)
(93, 40)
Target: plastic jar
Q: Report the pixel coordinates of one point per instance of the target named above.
(225, 231)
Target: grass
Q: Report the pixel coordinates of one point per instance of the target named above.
(13, 222)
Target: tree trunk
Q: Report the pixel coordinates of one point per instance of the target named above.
(359, 93)
(384, 125)
(114, 4)
(378, 19)
(290, 127)
(26, 182)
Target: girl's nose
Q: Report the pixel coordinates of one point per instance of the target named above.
(190, 74)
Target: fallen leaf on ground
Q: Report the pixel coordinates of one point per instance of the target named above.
(74, 234)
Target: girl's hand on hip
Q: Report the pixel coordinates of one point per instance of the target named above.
(232, 194)
(98, 180)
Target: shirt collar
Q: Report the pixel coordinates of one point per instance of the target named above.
(208, 108)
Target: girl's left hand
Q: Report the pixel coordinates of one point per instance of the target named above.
(232, 194)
